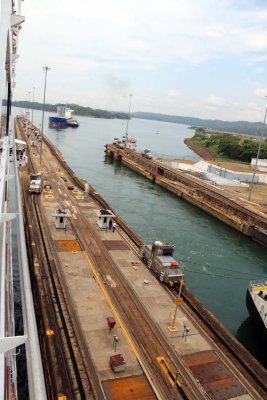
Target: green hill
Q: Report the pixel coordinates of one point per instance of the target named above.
(249, 128)
(78, 110)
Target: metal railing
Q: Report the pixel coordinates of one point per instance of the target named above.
(35, 374)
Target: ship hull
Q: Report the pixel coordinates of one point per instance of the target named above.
(57, 123)
(254, 313)
(73, 124)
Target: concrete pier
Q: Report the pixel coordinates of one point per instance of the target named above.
(244, 216)
(90, 274)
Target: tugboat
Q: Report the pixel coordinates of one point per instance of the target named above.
(64, 119)
(256, 301)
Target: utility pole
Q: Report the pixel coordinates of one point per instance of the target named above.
(29, 104)
(33, 89)
(129, 116)
(46, 68)
(257, 158)
(177, 301)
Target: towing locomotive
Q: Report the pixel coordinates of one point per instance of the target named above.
(159, 258)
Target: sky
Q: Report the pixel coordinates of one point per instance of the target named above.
(199, 58)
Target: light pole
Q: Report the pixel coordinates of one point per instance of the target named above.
(33, 89)
(46, 68)
(130, 95)
(257, 158)
(29, 104)
(177, 301)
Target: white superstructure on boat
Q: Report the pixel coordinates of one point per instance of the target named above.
(10, 24)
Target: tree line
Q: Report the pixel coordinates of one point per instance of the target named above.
(78, 110)
(230, 146)
(243, 127)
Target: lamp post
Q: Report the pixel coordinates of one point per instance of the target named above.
(29, 100)
(130, 95)
(46, 69)
(33, 89)
(257, 157)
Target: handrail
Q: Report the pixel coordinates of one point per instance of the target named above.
(36, 382)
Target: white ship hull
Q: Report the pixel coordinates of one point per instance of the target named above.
(256, 301)
(10, 24)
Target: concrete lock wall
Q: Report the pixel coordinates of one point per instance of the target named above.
(187, 188)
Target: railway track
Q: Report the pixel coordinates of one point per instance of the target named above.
(80, 227)
(252, 369)
(63, 357)
(146, 335)
(226, 344)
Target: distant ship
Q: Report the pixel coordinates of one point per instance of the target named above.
(256, 301)
(64, 119)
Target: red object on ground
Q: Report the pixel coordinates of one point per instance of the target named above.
(111, 322)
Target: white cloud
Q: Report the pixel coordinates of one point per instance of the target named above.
(260, 92)
(101, 51)
(162, 31)
(138, 45)
(173, 93)
(219, 102)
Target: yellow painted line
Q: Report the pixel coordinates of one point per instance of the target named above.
(74, 216)
(165, 367)
(74, 210)
(50, 332)
(259, 288)
(68, 203)
(108, 299)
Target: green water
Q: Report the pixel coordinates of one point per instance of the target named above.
(219, 262)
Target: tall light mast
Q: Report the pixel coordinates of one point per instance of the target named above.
(46, 69)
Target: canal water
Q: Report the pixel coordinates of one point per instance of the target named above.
(219, 262)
